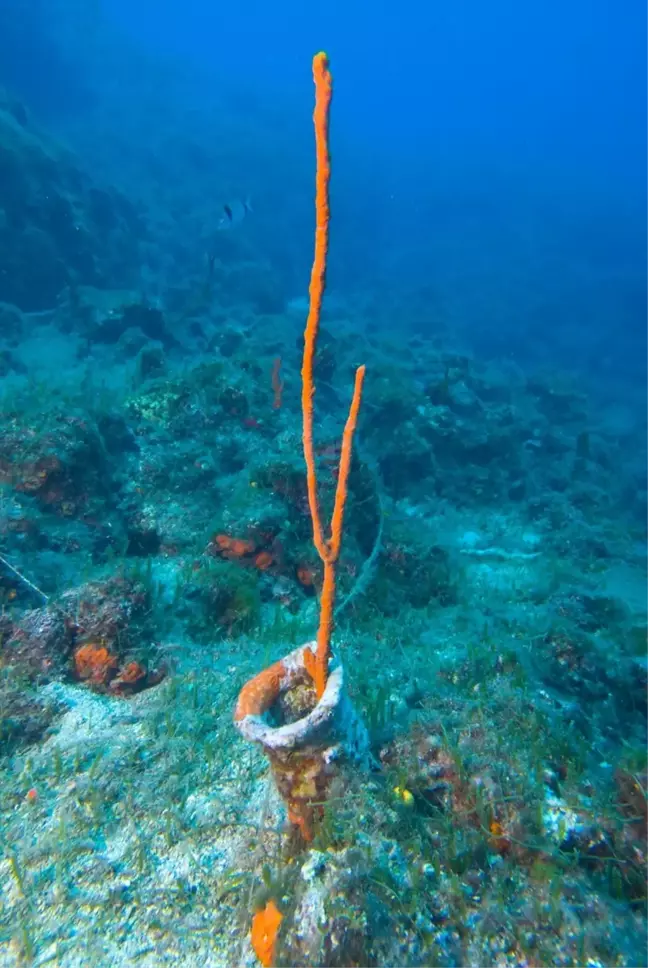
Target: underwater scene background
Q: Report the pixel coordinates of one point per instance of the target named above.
(181, 781)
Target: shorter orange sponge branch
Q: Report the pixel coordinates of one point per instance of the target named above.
(328, 550)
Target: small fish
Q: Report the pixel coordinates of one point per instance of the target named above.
(233, 214)
(405, 795)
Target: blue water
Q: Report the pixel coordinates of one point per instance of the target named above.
(485, 155)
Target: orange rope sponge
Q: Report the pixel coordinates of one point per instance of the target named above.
(328, 549)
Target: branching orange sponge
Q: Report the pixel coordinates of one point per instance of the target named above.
(328, 549)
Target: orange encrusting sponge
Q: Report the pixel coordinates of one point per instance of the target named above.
(265, 925)
(259, 693)
(328, 549)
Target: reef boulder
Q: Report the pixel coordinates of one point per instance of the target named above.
(56, 226)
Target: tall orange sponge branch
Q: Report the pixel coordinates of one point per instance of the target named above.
(327, 548)
(311, 754)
